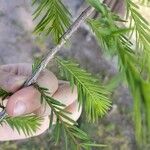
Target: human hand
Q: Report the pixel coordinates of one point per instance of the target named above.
(27, 100)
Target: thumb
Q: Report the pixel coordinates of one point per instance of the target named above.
(24, 101)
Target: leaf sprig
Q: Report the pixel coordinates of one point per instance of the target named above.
(141, 28)
(26, 124)
(130, 61)
(91, 94)
(56, 18)
(64, 125)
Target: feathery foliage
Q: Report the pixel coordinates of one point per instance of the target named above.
(26, 124)
(130, 61)
(91, 94)
(64, 125)
(55, 20)
(141, 28)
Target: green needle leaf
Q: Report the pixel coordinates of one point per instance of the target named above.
(56, 18)
(90, 93)
(26, 124)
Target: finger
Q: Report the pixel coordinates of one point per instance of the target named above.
(14, 75)
(75, 110)
(48, 80)
(11, 82)
(23, 101)
(7, 133)
(28, 99)
(64, 94)
(17, 69)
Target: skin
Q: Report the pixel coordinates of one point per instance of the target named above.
(27, 100)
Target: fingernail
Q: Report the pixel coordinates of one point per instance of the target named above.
(20, 108)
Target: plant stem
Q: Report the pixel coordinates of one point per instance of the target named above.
(51, 53)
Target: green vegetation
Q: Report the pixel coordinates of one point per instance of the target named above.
(133, 62)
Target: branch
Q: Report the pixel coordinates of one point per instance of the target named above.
(50, 55)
